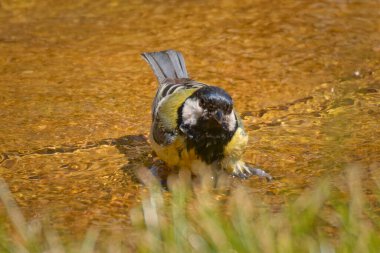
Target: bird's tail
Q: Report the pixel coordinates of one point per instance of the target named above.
(166, 64)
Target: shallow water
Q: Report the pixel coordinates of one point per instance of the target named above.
(75, 95)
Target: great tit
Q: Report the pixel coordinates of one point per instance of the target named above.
(195, 124)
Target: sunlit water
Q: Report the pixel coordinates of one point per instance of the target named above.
(75, 95)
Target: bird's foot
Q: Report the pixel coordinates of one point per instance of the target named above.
(243, 170)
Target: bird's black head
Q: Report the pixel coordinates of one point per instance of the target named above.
(208, 121)
(214, 100)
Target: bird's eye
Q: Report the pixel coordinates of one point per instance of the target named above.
(202, 103)
(229, 109)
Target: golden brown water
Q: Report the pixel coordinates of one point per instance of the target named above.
(75, 95)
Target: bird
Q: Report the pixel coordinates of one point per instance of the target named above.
(195, 124)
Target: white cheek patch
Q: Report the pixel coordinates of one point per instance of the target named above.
(231, 121)
(191, 112)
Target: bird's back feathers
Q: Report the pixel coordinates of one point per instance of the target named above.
(164, 127)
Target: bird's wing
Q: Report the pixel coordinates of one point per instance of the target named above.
(175, 86)
(164, 128)
(171, 86)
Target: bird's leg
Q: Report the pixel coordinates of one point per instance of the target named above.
(243, 170)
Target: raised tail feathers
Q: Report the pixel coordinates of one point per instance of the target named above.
(166, 64)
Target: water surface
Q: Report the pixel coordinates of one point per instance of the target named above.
(75, 95)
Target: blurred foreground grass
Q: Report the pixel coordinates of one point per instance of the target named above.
(197, 217)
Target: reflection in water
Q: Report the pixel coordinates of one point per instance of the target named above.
(304, 75)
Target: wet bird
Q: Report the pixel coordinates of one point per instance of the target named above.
(195, 124)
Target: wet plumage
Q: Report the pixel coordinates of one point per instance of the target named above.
(194, 124)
